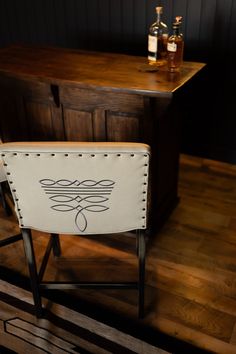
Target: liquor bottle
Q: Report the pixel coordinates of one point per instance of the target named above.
(175, 47)
(157, 40)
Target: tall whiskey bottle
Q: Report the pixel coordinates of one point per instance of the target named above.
(175, 47)
(157, 40)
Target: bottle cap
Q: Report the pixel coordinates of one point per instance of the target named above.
(159, 9)
(178, 19)
(177, 22)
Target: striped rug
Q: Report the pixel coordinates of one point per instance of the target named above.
(62, 330)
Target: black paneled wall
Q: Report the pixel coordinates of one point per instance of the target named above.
(209, 27)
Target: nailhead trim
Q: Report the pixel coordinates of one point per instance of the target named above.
(145, 176)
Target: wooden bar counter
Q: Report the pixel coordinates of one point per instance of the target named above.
(62, 94)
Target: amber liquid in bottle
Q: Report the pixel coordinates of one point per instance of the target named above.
(175, 47)
(157, 41)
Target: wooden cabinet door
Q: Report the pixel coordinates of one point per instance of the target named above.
(44, 120)
(30, 110)
(43, 112)
(122, 126)
(13, 125)
(91, 115)
(78, 124)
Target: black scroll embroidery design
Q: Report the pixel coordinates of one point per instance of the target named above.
(80, 196)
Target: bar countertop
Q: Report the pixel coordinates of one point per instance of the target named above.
(119, 72)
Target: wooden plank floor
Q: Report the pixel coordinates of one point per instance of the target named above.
(191, 262)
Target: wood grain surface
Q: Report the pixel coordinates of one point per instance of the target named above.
(93, 69)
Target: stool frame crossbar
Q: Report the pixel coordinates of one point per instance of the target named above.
(53, 245)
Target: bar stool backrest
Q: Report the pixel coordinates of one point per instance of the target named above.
(78, 188)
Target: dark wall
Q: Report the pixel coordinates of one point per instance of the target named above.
(209, 27)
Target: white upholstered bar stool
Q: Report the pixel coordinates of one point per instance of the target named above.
(78, 188)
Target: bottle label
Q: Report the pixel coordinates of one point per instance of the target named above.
(172, 47)
(152, 44)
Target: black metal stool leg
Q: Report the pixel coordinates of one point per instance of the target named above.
(137, 243)
(141, 285)
(11, 239)
(30, 256)
(56, 247)
(4, 202)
